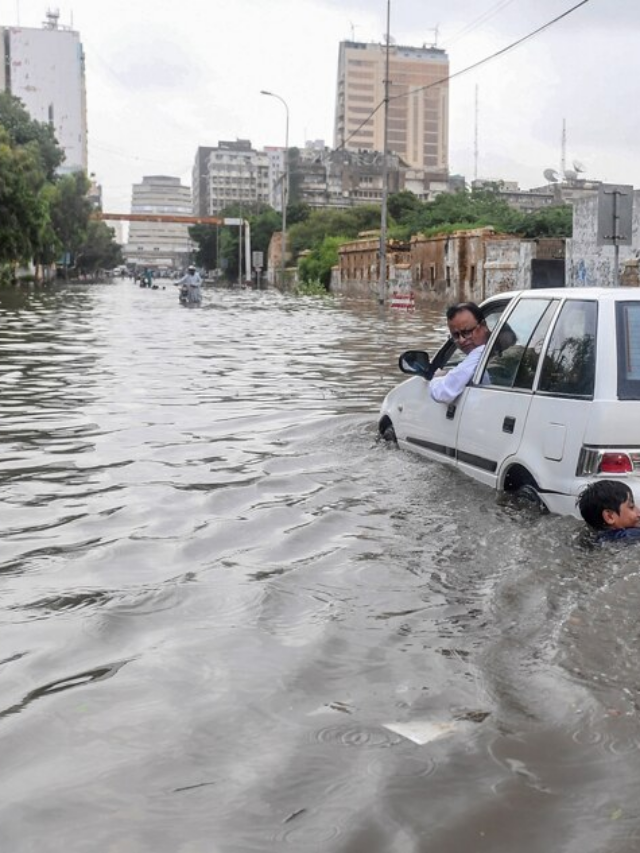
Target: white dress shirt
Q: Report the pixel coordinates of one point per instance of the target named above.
(445, 389)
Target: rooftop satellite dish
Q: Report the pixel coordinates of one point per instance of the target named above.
(579, 166)
(551, 175)
(570, 175)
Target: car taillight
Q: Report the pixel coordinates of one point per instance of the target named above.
(615, 463)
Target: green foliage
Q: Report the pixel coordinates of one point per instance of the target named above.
(310, 289)
(332, 223)
(297, 213)
(70, 210)
(554, 221)
(23, 132)
(206, 239)
(400, 206)
(23, 204)
(42, 213)
(315, 268)
(98, 249)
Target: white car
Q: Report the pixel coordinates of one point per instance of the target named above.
(554, 402)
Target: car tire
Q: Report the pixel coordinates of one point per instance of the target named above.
(388, 433)
(527, 495)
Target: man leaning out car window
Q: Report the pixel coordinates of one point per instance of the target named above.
(469, 330)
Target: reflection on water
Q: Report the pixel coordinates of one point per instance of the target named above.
(249, 626)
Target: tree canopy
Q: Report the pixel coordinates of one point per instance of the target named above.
(44, 213)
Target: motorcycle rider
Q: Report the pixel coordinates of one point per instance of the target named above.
(190, 292)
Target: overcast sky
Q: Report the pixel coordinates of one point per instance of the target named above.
(164, 76)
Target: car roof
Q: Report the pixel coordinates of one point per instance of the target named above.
(593, 293)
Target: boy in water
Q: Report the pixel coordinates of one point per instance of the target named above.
(609, 508)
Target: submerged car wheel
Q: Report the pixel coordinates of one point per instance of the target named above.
(387, 432)
(523, 488)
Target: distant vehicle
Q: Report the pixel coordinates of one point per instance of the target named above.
(550, 410)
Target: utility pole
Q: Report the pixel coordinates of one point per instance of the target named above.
(475, 142)
(382, 283)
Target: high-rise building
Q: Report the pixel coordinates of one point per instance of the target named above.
(200, 182)
(45, 69)
(418, 103)
(160, 245)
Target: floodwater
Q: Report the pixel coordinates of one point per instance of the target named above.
(232, 621)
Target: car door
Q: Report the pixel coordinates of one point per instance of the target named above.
(562, 404)
(429, 427)
(495, 409)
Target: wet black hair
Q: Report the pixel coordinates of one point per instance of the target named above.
(599, 496)
(474, 309)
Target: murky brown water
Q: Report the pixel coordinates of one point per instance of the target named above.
(228, 614)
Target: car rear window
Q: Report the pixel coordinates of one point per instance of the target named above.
(628, 334)
(569, 365)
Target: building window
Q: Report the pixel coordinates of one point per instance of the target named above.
(448, 275)
(432, 275)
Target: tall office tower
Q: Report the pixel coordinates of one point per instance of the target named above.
(45, 69)
(418, 116)
(160, 245)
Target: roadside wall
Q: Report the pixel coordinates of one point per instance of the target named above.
(465, 265)
(590, 265)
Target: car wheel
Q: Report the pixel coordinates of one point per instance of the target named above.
(524, 489)
(387, 432)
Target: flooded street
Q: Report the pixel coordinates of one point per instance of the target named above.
(233, 621)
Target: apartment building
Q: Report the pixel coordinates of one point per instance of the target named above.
(418, 118)
(45, 68)
(160, 245)
(238, 174)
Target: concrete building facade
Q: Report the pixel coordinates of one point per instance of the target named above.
(45, 68)
(237, 174)
(591, 265)
(418, 119)
(162, 246)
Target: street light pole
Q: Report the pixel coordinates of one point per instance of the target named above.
(382, 283)
(285, 182)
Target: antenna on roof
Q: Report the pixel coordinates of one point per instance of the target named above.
(53, 16)
(551, 175)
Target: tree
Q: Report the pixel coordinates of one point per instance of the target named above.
(23, 201)
(402, 205)
(70, 210)
(99, 249)
(317, 265)
(206, 237)
(23, 131)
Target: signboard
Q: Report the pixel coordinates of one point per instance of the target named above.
(615, 203)
(257, 259)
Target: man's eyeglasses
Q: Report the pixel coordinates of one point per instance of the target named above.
(464, 333)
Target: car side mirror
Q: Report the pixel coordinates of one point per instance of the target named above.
(415, 362)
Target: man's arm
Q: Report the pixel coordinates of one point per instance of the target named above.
(445, 389)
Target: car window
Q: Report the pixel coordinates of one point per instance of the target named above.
(568, 367)
(515, 352)
(628, 335)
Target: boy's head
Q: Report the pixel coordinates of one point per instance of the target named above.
(609, 504)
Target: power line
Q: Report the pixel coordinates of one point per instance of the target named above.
(486, 16)
(480, 62)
